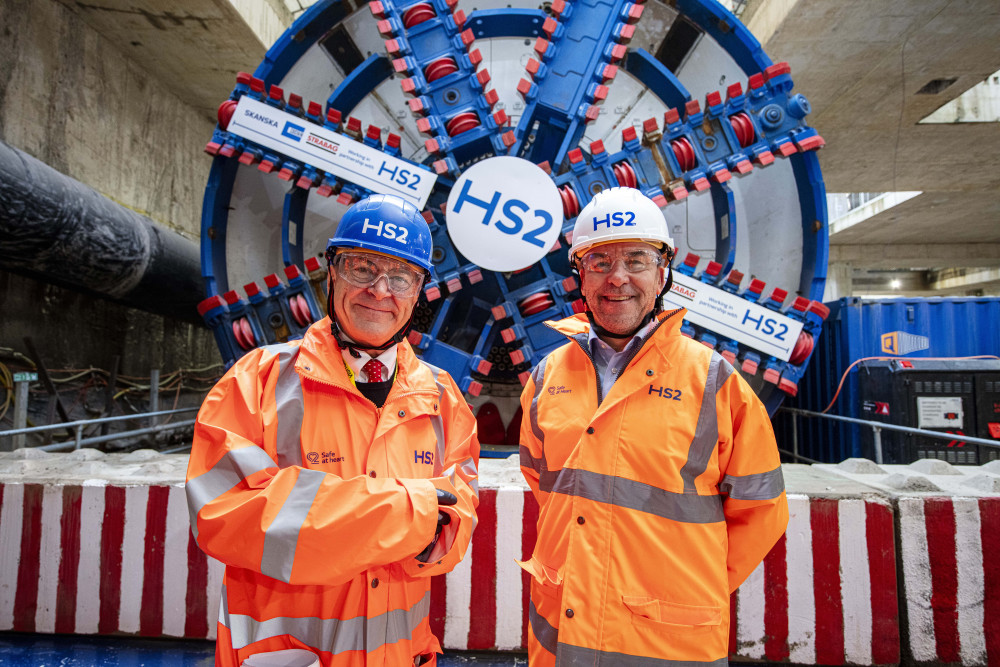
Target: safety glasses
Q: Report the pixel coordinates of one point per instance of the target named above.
(634, 261)
(364, 270)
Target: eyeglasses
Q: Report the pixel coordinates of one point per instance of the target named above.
(634, 261)
(364, 270)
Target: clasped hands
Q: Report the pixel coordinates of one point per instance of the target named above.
(443, 498)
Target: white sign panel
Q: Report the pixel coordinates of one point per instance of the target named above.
(732, 316)
(504, 213)
(939, 412)
(324, 149)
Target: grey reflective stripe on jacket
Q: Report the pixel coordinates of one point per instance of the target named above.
(328, 634)
(574, 655)
(706, 435)
(234, 466)
(630, 494)
(759, 486)
(546, 635)
(282, 536)
(538, 377)
(437, 423)
(289, 404)
(527, 459)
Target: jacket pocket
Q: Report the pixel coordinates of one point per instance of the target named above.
(542, 573)
(672, 617)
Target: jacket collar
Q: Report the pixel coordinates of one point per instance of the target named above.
(670, 324)
(320, 358)
(577, 328)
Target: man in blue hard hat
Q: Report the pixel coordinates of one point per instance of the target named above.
(335, 475)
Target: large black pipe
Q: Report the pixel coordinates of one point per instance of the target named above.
(58, 230)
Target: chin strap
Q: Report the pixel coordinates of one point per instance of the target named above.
(346, 343)
(658, 305)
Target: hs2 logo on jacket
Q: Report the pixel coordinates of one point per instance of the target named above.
(666, 392)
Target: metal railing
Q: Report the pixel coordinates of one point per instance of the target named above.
(877, 428)
(78, 426)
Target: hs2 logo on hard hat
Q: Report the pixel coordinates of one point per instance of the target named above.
(617, 219)
(386, 230)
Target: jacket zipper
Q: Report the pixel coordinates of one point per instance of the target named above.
(597, 374)
(628, 359)
(635, 353)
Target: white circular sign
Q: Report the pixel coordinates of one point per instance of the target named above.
(504, 213)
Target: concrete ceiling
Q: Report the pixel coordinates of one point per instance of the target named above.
(193, 47)
(860, 63)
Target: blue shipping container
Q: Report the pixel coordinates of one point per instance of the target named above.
(891, 328)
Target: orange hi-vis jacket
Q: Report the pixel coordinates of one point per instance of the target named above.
(318, 502)
(654, 504)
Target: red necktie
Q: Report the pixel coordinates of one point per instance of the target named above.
(374, 370)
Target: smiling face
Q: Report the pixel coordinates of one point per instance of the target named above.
(619, 299)
(370, 315)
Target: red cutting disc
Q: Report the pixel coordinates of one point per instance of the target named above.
(748, 129)
(300, 310)
(304, 305)
(571, 205)
(243, 334)
(743, 127)
(535, 303)
(440, 68)
(626, 175)
(803, 346)
(565, 199)
(463, 122)
(417, 14)
(737, 125)
(684, 153)
(619, 176)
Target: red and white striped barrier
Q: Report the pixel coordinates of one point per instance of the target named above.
(826, 593)
(97, 558)
(112, 557)
(950, 551)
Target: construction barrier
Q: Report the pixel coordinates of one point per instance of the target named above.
(88, 554)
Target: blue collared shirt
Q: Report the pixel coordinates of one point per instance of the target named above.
(610, 363)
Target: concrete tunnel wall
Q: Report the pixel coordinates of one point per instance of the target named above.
(878, 565)
(75, 100)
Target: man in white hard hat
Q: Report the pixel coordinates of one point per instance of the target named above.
(653, 463)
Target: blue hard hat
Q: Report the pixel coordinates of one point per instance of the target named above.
(387, 224)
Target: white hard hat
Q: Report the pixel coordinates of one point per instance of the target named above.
(619, 214)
